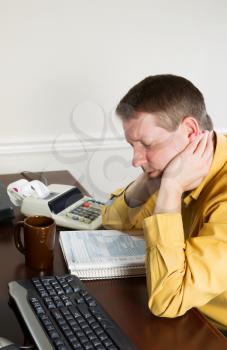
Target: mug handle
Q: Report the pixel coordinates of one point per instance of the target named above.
(17, 236)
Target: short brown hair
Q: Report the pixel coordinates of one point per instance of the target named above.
(170, 97)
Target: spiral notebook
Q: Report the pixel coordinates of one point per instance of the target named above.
(103, 254)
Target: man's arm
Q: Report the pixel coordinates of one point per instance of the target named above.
(128, 207)
(141, 190)
(178, 271)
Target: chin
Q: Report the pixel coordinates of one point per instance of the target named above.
(154, 173)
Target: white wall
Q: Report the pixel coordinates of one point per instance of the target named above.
(64, 64)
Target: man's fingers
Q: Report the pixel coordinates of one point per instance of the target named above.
(192, 146)
(201, 147)
(208, 152)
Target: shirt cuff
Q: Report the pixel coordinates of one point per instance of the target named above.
(118, 214)
(164, 229)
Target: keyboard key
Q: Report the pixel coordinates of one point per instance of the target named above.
(56, 314)
(103, 336)
(53, 334)
(96, 342)
(58, 342)
(88, 346)
(76, 345)
(107, 342)
(62, 347)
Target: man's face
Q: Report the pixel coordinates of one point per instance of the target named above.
(153, 146)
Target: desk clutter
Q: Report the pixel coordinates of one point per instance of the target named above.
(61, 314)
(22, 188)
(67, 205)
(103, 254)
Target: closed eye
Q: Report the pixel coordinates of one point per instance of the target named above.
(147, 145)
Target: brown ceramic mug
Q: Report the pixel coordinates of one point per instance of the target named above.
(38, 243)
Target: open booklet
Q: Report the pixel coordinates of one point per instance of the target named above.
(103, 254)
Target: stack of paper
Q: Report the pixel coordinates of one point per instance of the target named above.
(103, 254)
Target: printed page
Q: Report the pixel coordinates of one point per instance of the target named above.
(102, 248)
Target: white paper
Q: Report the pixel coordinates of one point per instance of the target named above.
(103, 253)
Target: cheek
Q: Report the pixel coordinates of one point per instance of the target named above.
(161, 157)
(157, 158)
(169, 155)
(172, 150)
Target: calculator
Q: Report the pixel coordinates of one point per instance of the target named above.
(67, 206)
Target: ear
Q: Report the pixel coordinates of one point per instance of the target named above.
(191, 127)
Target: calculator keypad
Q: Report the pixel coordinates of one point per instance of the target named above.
(86, 212)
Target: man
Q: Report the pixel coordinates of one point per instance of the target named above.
(180, 199)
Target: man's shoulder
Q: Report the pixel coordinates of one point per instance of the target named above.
(219, 164)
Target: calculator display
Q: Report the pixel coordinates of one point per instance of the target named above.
(64, 200)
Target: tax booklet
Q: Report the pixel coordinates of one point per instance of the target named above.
(103, 254)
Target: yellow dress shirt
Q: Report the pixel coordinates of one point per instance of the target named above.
(186, 253)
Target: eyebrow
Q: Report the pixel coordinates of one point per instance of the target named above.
(141, 141)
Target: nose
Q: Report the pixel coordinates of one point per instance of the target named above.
(139, 158)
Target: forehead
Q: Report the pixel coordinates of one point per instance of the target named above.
(142, 126)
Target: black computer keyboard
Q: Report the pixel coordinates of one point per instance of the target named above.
(61, 314)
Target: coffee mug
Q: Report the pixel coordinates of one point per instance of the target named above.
(39, 239)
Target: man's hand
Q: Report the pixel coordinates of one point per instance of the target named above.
(185, 172)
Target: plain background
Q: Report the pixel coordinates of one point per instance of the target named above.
(64, 65)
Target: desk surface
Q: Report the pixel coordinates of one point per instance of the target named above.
(124, 299)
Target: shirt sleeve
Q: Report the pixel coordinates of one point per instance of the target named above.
(184, 274)
(116, 214)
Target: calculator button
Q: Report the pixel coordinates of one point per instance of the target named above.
(87, 221)
(86, 204)
(74, 217)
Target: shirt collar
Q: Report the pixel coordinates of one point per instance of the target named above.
(219, 158)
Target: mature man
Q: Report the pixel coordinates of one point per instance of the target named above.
(180, 199)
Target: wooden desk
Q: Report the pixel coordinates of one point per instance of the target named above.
(125, 299)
